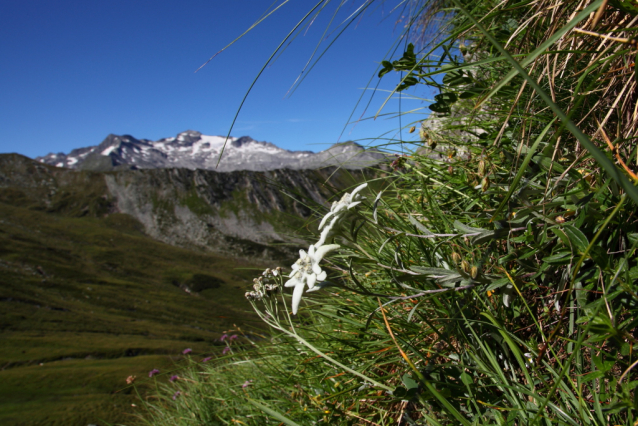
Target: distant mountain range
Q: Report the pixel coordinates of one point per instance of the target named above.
(193, 150)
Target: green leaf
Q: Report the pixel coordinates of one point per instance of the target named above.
(448, 98)
(615, 408)
(466, 379)
(593, 376)
(456, 78)
(387, 67)
(484, 237)
(497, 284)
(560, 258)
(461, 227)
(433, 272)
(409, 382)
(577, 238)
(561, 234)
(473, 92)
(441, 108)
(442, 276)
(602, 363)
(418, 225)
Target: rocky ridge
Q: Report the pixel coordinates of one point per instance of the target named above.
(193, 150)
(241, 213)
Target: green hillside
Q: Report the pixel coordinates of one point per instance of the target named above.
(86, 302)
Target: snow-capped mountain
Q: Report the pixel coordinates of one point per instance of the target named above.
(193, 150)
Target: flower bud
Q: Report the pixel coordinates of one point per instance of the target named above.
(481, 168)
(485, 184)
(456, 257)
(465, 266)
(412, 129)
(474, 272)
(423, 134)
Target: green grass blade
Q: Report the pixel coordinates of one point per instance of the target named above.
(272, 413)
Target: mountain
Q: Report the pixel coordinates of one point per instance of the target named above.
(192, 150)
(240, 213)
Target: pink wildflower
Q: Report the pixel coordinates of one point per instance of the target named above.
(233, 337)
(174, 377)
(176, 394)
(246, 384)
(208, 358)
(224, 336)
(187, 351)
(225, 351)
(153, 372)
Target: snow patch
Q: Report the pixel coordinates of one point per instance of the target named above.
(108, 150)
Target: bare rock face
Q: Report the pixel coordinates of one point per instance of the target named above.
(243, 213)
(193, 150)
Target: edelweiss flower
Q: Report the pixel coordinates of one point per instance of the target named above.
(306, 270)
(338, 210)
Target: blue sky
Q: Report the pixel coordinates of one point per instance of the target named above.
(74, 71)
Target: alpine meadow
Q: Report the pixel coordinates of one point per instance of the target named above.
(487, 273)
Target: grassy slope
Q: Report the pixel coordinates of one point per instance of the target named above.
(85, 302)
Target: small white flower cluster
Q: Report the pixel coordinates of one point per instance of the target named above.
(306, 270)
(262, 286)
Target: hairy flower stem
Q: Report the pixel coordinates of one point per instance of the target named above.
(331, 360)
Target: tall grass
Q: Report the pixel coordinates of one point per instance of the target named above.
(490, 278)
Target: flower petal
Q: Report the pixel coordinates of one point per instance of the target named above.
(322, 276)
(296, 298)
(293, 282)
(312, 278)
(357, 189)
(322, 251)
(316, 268)
(324, 220)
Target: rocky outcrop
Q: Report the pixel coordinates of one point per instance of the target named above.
(244, 213)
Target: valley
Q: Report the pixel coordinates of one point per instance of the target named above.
(110, 275)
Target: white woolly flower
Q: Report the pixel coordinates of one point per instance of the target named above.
(306, 270)
(348, 201)
(338, 210)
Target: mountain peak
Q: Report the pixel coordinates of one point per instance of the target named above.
(193, 150)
